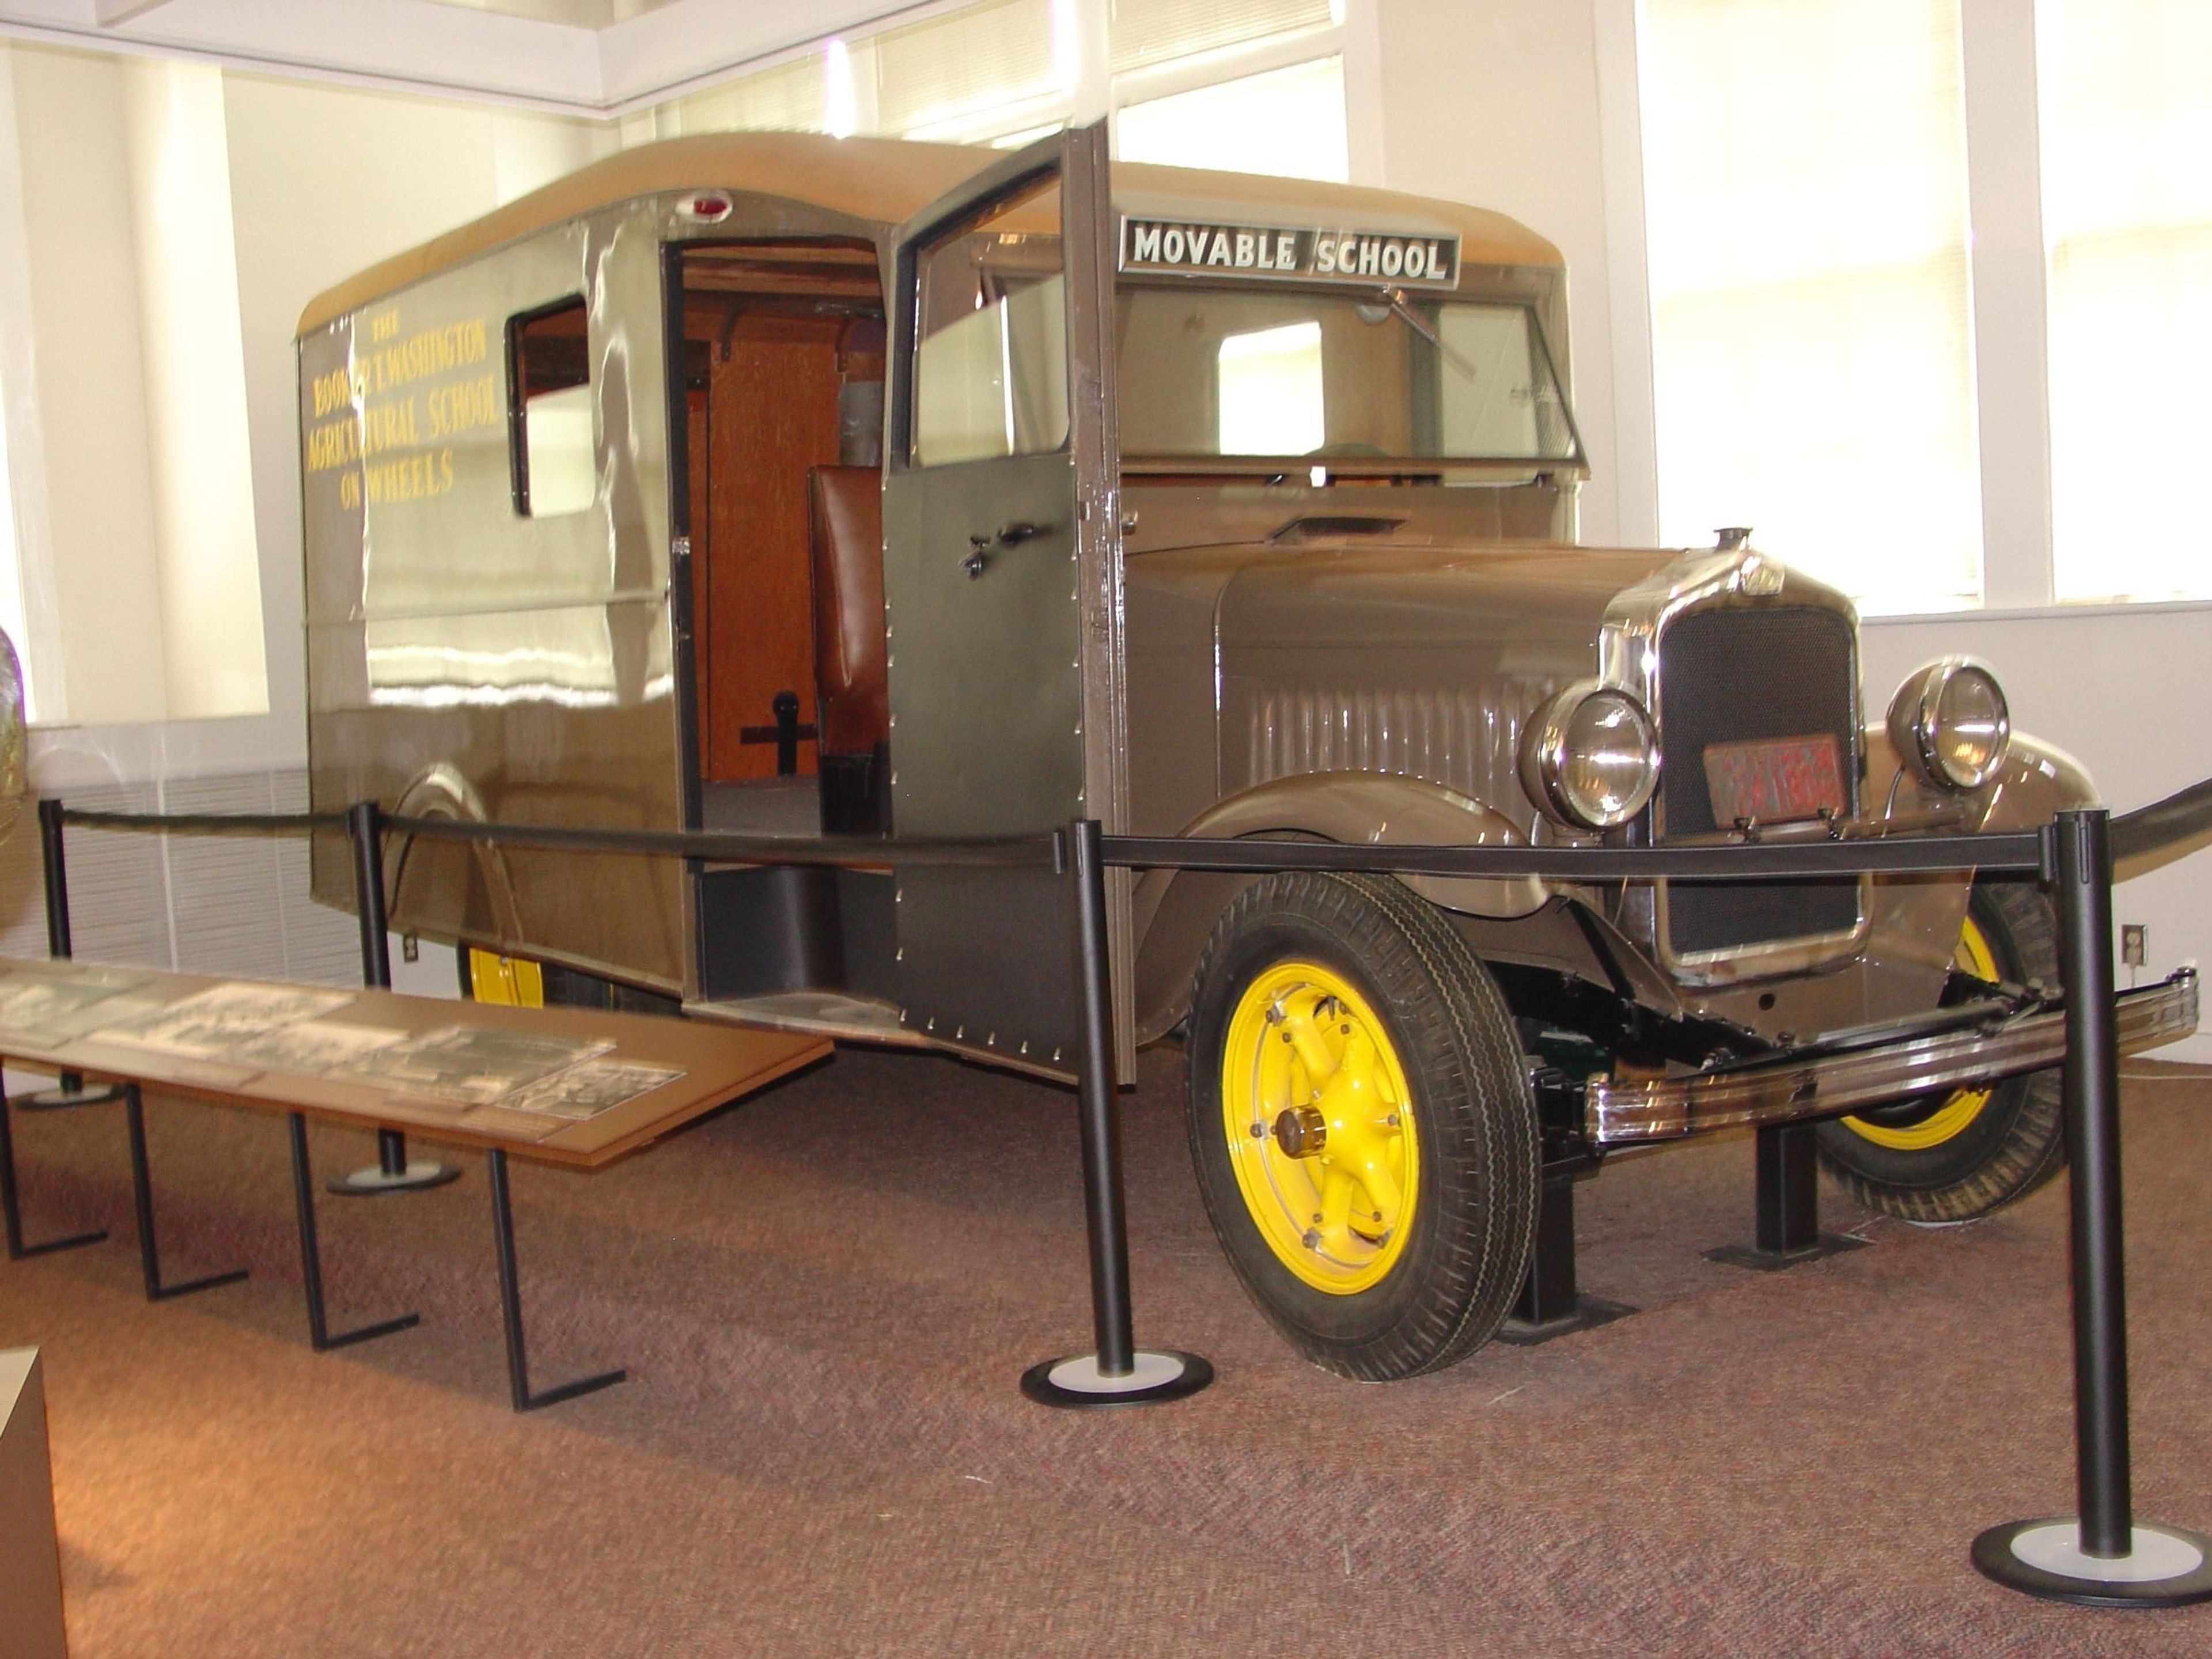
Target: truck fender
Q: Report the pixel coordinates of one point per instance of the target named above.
(2038, 779)
(442, 791)
(1175, 913)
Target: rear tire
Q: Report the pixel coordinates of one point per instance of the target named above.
(1959, 1155)
(1395, 1037)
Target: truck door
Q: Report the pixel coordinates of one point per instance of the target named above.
(1002, 587)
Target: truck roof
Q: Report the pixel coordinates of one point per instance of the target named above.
(888, 180)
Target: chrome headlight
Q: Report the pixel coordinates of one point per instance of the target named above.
(1949, 725)
(1588, 757)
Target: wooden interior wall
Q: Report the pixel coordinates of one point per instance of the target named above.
(772, 414)
(698, 427)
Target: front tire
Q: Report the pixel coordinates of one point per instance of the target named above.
(1361, 1123)
(1958, 1157)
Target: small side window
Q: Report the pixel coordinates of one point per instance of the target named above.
(553, 457)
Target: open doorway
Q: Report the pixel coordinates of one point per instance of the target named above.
(780, 358)
(783, 376)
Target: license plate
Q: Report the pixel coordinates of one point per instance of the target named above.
(1775, 782)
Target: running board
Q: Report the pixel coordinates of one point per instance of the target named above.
(815, 1013)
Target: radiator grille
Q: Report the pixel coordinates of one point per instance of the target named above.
(1737, 676)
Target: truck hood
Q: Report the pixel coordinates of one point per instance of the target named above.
(1422, 660)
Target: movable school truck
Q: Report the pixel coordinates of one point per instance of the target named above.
(795, 486)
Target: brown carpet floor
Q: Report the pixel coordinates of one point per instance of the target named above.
(824, 1297)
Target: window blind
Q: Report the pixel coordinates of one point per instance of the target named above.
(2127, 220)
(948, 71)
(1142, 32)
(1806, 196)
(790, 96)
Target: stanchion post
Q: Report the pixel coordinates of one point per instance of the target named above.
(70, 1090)
(1116, 1372)
(391, 1172)
(2101, 1556)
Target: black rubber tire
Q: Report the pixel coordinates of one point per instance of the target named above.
(2017, 1141)
(1474, 1213)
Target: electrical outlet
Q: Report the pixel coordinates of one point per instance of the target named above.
(2134, 944)
(410, 948)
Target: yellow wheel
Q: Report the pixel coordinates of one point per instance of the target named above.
(1961, 1106)
(1361, 1124)
(1958, 1155)
(1319, 1123)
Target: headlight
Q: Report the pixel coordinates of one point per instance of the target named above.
(1587, 757)
(1949, 725)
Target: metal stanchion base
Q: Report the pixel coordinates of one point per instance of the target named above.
(1589, 1313)
(1767, 1262)
(370, 1180)
(2166, 1567)
(1078, 1383)
(57, 1100)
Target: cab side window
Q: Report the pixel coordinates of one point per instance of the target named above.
(553, 458)
(990, 369)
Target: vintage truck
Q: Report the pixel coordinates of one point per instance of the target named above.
(792, 486)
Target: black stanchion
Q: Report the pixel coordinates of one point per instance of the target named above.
(1117, 1372)
(70, 1089)
(391, 1172)
(2102, 1556)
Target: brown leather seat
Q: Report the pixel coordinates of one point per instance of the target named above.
(845, 506)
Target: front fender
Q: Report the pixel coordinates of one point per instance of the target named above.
(2038, 779)
(1175, 912)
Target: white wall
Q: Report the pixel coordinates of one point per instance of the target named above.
(2122, 690)
(1498, 103)
(319, 182)
(1528, 105)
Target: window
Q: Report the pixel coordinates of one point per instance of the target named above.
(1253, 85)
(1270, 390)
(990, 372)
(554, 455)
(2127, 216)
(1288, 121)
(792, 97)
(14, 620)
(1350, 377)
(952, 77)
(1145, 33)
(1813, 365)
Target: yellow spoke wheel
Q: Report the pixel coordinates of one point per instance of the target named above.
(1961, 1108)
(1319, 1121)
(1361, 1124)
(1965, 1153)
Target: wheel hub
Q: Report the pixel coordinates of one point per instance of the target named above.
(1316, 1111)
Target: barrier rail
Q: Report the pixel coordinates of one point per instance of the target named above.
(2102, 1556)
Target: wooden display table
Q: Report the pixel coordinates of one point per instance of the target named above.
(570, 1086)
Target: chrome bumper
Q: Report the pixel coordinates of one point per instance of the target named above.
(1785, 1091)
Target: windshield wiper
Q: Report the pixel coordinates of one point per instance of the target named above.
(1395, 299)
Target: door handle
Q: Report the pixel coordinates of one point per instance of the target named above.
(1009, 535)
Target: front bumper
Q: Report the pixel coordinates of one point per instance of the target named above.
(1823, 1082)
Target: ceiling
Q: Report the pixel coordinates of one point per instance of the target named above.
(579, 14)
(600, 58)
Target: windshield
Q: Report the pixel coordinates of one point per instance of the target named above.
(1220, 373)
